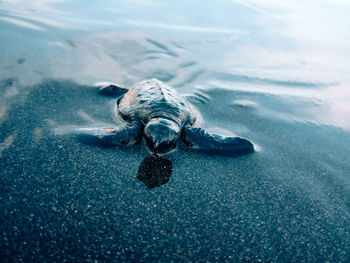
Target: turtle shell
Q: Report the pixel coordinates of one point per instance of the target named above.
(151, 99)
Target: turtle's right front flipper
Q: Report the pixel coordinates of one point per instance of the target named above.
(126, 134)
(204, 141)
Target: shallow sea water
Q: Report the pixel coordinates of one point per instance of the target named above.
(275, 73)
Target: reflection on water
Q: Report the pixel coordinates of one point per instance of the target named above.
(263, 48)
(155, 171)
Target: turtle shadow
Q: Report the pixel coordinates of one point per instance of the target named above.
(155, 171)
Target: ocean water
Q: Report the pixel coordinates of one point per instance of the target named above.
(275, 73)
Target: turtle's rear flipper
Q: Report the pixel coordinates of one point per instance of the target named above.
(210, 143)
(110, 89)
(126, 134)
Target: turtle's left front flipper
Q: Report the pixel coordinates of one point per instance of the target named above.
(211, 143)
(126, 134)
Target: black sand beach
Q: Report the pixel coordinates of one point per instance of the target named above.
(253, 74)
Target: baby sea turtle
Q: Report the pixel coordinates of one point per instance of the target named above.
(155, 111)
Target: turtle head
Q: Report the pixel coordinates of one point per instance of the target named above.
(161, 135)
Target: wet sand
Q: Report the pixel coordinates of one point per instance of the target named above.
(64, 200)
